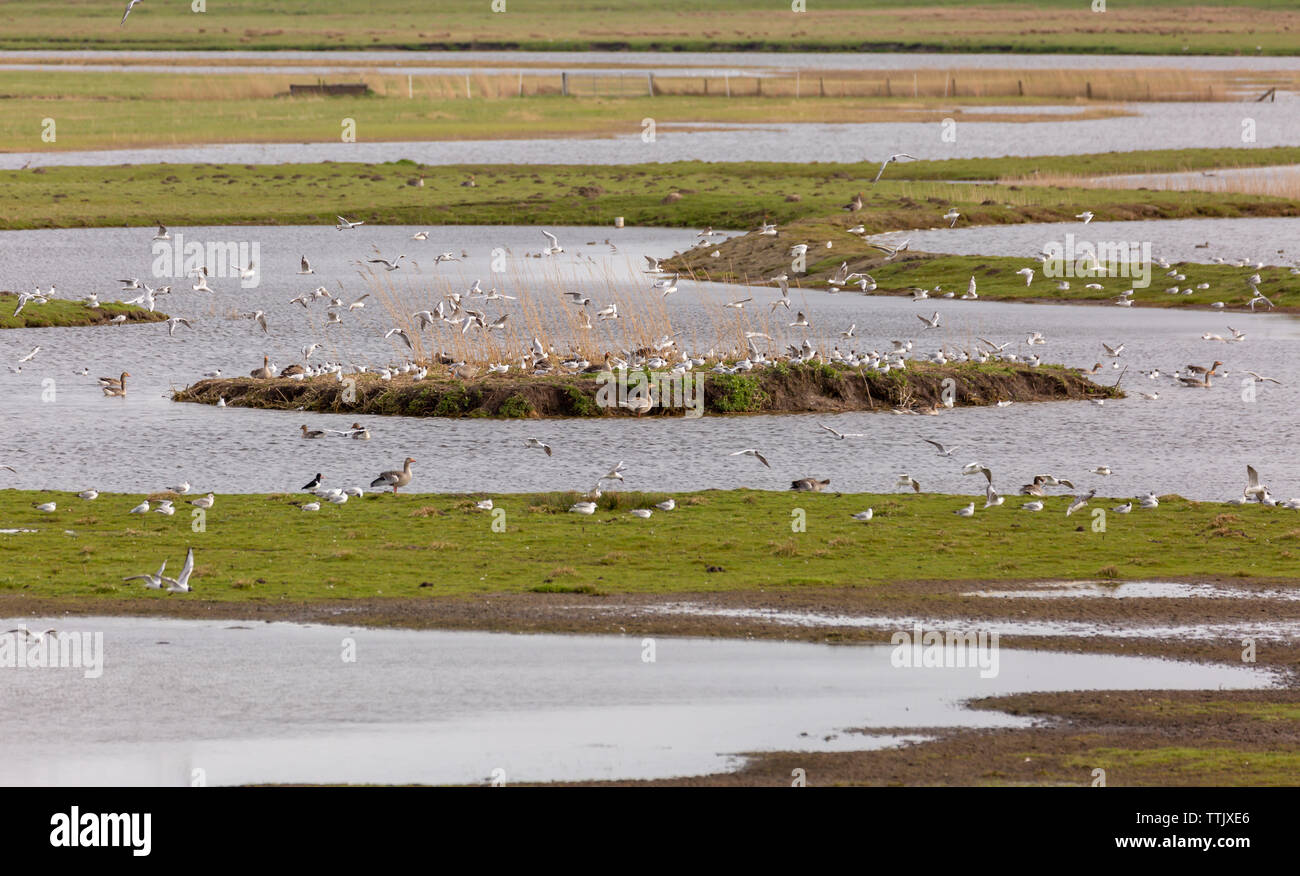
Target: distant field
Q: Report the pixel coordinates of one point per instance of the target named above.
(1154, 26)
(725, 195)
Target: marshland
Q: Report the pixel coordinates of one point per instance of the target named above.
(913, 416)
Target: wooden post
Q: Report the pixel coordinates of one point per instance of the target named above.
(946, 78)
(726, 79)
(564, 84)
(796, 84)
(650, 80)
(1020, 87)
(521, 83)
(821, 85)
(467, 86)
(888, 91)
(914, 85)
(758, 85)
(706, 86)
(410, 88)
(1089, 90)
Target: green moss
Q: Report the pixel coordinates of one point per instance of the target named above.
(516, 407)
(733, 393)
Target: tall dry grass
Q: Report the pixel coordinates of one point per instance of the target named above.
(1282, 182)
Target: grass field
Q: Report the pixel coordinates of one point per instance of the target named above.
(257, 547)
(1155, 26)
(61, 313)
(725, 195)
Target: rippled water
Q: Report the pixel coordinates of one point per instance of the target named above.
(710, 60)
(447, 707)
(1166, 124)
(1272, 241)
(1136, 590)
(1189, 441)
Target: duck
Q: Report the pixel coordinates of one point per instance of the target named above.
(395, 478)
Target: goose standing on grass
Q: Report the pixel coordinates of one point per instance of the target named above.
(395, 478)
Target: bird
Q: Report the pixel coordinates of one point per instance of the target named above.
(666, 504)
(388, 266)
(142, 508)
(129, 6)
(312, 433)
(1258, 378)
(88, 495)
(180, 489)
(614, 474)
(952, 215)
(1253, 486)
(583, 508)
(395, 478)
(1123, 509)
(1032, 506)
(204, 501)
(1086, 216)
(890, 160)
(313, 483)
(1028, 274)
(344, 224)
(942, 449)
(533, 443)
(1079, 501)
(1101, 470)
(753, 453)
(174, 321)
(931, 322)
(908, 481)
(181, 583)
(47, 507)
(306, 267)
(420, 235)
(554, 248)
(842, 435)
(30, 356)
(810, 485)
(864, 516)
(485, 505)
(640, 512)
(401, 333)
(992, 498)
(153, 581)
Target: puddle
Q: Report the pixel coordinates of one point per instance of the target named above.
(1135, 590)
(281, 703)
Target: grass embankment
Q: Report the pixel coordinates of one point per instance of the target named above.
(690, 194)
(62, 313)
(755, 258)
(1157, 26)
(259, 548)
(1140, 738)
(776, 389)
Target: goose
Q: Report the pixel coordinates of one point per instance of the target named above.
(265, 371)
(864, 516)
(115, 391)
(854, 204)
(88, 495)
(305, 267)
(535, 444)
(968, 511)
(312, 433)
(115, 381)
(395, 478)
(358, 432)
(153, 581)
(204, 502)
(753, 453)
(666, 504)
(583, 508)
(810, 485)
(908, 481)
(899, 156)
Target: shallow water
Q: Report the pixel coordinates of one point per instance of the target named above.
(1272, 241)
(710, 60)
(1136, 590)
(1165, 124)
(248, 702)
(143, 442)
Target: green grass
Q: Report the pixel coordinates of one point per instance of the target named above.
(262, 548)
(1246, 768)
(62, 313)
(725, 195)
(1158, 26)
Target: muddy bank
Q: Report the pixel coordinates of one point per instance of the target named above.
(773, 390)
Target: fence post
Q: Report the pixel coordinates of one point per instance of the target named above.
(726, 79)
(1089, 90)
(1020, 86)
(467, 86)
(758, 83)
(564, 84)
(821, 86)
(650, 80)
(796, 84)
(410, 88)
(888, 91)
(521, 83)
